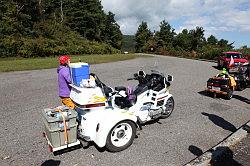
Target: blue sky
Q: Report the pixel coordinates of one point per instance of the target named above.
(225, 19)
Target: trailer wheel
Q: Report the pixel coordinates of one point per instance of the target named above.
(121, 136)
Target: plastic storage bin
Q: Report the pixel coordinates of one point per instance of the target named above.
(56, 137)
(54, 122)
(79, 71)
(54, 126)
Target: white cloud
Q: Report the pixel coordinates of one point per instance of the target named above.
(213, 15)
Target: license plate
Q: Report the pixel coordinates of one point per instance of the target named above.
(216, 88)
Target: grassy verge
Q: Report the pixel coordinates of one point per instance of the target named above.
(15, 64)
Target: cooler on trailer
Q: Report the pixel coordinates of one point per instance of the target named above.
(79, 71)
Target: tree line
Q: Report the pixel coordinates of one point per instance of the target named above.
(188, 43)
(31, 28)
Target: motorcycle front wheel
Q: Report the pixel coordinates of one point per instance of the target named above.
(168, 108)
(229, 94)
(121, 136)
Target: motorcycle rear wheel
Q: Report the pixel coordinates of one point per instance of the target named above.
(168, 108)
(121, 136)
(241, 86)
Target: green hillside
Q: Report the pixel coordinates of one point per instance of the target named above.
(128, 43)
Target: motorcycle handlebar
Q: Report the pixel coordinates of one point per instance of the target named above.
(130, 79)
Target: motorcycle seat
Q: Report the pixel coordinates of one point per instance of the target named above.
(120, 88)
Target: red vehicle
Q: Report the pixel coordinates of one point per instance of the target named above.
(224, 59)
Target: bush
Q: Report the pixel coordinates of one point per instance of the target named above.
(51, 39)
(210, 53)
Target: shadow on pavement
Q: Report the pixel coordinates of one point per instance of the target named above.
(223, 156)
(70, 149)
(221, 122)
(203, 93)
(51, 163)
(195, 150)
(216, 67)
(211, 95)
(243, 99)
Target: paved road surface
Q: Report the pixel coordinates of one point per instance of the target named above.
(197, 121)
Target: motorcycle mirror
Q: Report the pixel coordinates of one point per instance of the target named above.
(141, 73)
(170, 78)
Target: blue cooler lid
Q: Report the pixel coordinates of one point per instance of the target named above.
(78, 65)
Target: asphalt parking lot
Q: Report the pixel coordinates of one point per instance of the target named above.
(197, 121)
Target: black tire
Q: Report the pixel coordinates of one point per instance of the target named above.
(210, 94)
(241, 86)
(119, 133)
(168, 109)
(229, 94)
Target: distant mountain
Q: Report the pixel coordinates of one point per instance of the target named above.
(128, 43)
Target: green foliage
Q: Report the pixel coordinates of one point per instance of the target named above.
(197, 38)
(128, 43)
(54, 39)
(182, 41)
(210, 52)
(32, 28)
(224, 43)
(165, 36)
(212, 40)
(85, 17)
(142, 36)
(188, 43)
(111, 33)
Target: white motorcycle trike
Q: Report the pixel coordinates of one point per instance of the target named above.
(113, 123)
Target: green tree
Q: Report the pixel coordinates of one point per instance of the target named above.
(183, 40)
(198, 39)
(111, 33)
(142, 36)
(86, 17)
(224, 44)
(212, 40)
(165, 36)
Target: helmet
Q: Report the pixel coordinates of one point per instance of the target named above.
(63, 59)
